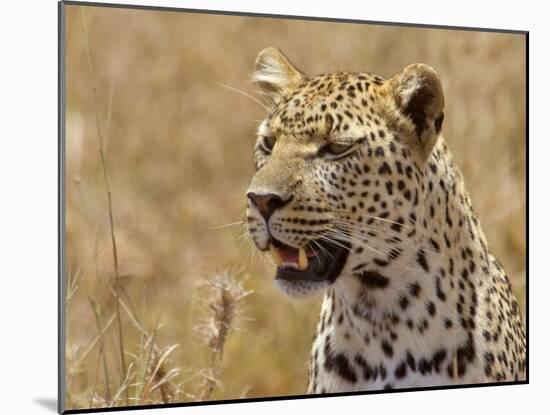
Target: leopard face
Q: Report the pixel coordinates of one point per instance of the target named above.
(339, 171)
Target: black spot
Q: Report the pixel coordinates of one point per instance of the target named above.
(439, 292)
(489, 357)
(340, 364)
(410, 361)
(373, 279)
(424, 366)
(431, 308)
(398, 224)
(447, 242)
(421, 259)
(409, 172)
(384, 169)
(381, 262)
(401, 370)
(435, 245)
(414, 289)
(387, 348)
(464, 354)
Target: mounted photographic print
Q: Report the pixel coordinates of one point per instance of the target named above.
(256, 207)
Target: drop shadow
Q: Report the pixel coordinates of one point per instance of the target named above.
(48, 403)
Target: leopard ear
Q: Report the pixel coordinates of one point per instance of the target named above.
(274, 73)
(418, 94)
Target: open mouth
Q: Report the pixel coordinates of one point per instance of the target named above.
(322, 263)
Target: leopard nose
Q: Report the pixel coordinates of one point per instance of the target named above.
(267, 203)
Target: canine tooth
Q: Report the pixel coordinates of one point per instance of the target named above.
(302, 259)
(276, 256)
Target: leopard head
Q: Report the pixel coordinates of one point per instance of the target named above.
(339, 161)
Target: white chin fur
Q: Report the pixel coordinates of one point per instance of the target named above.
(300, 288)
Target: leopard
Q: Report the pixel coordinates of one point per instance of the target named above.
(356, 197)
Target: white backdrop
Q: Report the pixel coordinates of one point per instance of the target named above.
(28, 227)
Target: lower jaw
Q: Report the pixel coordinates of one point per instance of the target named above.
(301, 288)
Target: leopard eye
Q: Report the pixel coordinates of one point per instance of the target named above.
(268, 143)
(336, 150)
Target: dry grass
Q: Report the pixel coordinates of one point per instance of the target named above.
(178, 150)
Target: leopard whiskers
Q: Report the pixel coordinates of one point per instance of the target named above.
(242, 236)
(361, 227)
(267, 260)
(238, 91)
(246, 239)
(388, 250)
(321, 248)
(337, 237)
(347, 236)
(227, 225)
(245, 242)
(333, 241)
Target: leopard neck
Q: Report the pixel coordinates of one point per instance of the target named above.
(430, 283)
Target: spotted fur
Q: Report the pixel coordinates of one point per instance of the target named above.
(359, 160)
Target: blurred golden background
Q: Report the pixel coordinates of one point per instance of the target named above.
(178, 145)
